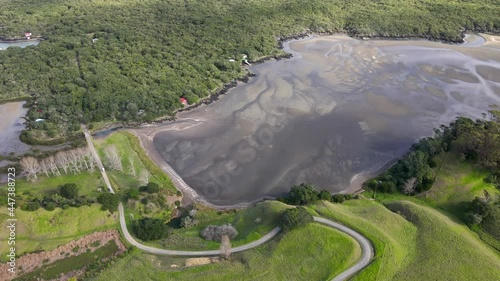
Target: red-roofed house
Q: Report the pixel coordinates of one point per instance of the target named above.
(27, 34)
(183, 101)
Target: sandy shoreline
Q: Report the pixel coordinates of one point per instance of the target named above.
(190, 195)
(492, 41)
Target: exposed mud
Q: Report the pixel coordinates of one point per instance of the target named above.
(339, 108)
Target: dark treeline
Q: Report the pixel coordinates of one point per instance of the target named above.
(476, 141)
(149, 53)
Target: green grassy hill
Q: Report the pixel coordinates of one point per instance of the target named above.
(392, 236)
(416, 242)
(446, 249)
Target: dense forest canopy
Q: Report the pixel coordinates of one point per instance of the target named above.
(151, 52)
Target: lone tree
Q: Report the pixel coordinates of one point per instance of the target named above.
(69, 191)
(294, 218)
(148, 229)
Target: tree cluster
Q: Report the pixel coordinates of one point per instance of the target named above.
(72, 161)
(305, 194)
(65, 197)
(475, 141)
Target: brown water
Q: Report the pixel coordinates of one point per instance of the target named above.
(339, 108)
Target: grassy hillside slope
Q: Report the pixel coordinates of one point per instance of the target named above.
(45, 230)
(393, 237)
(314, 252)
(134, 162)
(446, 250)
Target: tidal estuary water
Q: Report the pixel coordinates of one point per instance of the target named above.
(340, 107)
(21, 44)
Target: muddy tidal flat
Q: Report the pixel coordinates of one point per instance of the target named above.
(338, 109)
(11, 126)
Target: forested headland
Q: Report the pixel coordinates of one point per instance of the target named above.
(131, 61)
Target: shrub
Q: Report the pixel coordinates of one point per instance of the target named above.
(69, 191)
(31, 206)
(338, 198)
(294, 218)
(324, 195)
(108, 201)
(187, 222)
(132, 193)
(152, 187)
(51, 206)
(215, 232)
(473, 219)
(148, 229)
(193, 212)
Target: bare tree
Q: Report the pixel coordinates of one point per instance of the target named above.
(82, 155)
(31, 166)
(91, 160)
(74, 161)
(44, 167)
(132, 167)
(410, 185)
(51, 162)
(62, 161)
(113, 158)
(225, 247)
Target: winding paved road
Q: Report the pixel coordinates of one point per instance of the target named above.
(366, 247)
(158, 251)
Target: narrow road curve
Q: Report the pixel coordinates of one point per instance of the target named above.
(366, 247)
